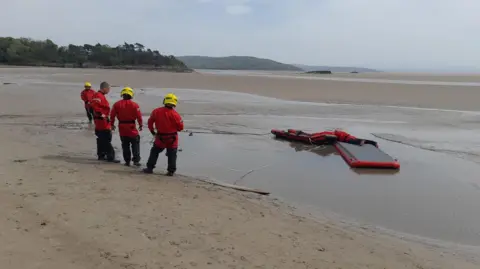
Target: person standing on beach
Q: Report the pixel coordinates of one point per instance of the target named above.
(87, 95)
(168, 123)
(103, 128)
(128, 112)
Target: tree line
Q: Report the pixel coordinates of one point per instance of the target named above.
(29, 52)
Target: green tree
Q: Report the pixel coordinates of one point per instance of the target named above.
(25, 51)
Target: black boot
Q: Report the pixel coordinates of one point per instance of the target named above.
(148, 170)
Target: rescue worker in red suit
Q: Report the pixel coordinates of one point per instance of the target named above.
(342, 136)
(168, 123)
(330, 137)
(87, 95)
(322, 138)
(103, 128)
(128, 112)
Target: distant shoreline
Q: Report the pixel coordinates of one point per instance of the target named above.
(118, 67)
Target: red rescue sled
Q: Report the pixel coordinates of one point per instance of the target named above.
(366, 156)
(307, 138)
(357, 153)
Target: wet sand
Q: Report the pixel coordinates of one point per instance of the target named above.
(65, 209)
(283, 86)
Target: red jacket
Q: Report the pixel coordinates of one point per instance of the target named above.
(87, 95)
(127, 112)
(168, 122)
(101, 111)
(341, 135)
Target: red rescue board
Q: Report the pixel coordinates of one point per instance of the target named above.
(366, 156)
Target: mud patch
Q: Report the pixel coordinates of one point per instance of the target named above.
(73, 125)
(12, 116)
(67, 125)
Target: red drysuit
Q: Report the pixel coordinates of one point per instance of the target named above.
(341, 135)
(127, 112)
(168, 122)
(101, 111)
(87, 95)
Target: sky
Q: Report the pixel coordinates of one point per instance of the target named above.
(384, 34)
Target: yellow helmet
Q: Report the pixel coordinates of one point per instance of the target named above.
(170, 99)
(127, 91)
(88, 85)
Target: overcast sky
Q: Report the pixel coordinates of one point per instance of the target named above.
(385, 34)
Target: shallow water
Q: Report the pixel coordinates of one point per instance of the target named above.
(426, 197)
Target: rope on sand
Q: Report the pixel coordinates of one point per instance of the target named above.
(231, 186)
(251, 171)
(236, 170)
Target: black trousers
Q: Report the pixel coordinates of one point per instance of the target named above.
(104, 144)
(371, 142)
(132, 143)
(359, 141)
(89, 112)
(171, 154)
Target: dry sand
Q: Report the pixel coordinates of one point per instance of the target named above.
(63, 209)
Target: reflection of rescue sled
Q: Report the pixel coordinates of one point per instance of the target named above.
(358, 153)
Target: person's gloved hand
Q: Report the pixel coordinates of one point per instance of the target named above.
(113, 127)
(152, 132)
(140, 128)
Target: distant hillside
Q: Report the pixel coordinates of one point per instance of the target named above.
(343, 69)
(235, 63)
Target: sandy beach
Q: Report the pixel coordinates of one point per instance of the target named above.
(61, 208)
